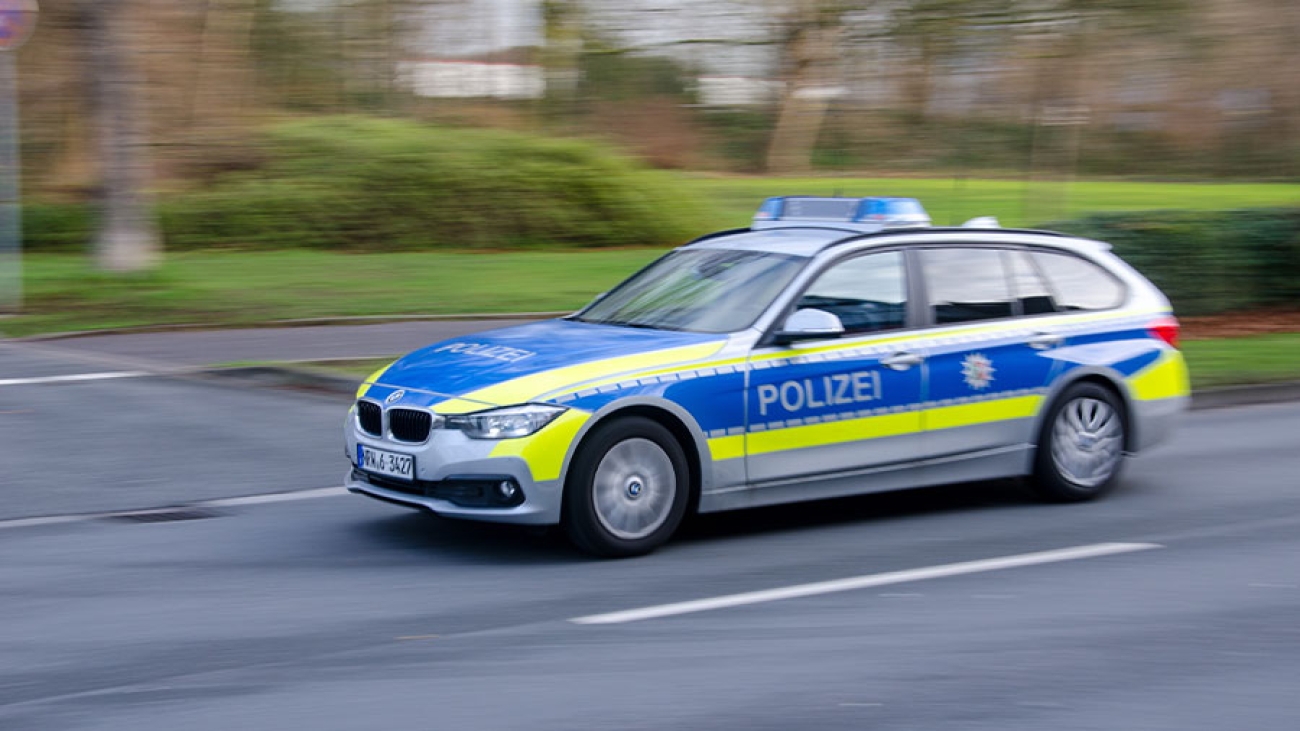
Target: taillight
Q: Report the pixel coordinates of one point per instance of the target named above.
(1167, 329)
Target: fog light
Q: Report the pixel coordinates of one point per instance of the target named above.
(507, 489)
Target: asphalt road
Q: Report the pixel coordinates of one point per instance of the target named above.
(336, 612)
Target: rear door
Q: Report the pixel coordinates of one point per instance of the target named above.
(989, 364)
(828, 406)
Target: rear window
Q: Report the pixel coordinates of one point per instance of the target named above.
(1078, 284)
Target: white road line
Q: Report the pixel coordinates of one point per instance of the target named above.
(230, 502)
(865, 582)
(275, 497)
(72, 378)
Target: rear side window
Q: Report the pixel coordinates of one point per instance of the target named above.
(967, 284)
(1078, 284)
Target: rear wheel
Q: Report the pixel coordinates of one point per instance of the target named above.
(627, 489)
(1081, 446)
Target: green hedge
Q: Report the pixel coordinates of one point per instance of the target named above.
(1207, 262)
(56, 226)
(357, 184)
(369, 184)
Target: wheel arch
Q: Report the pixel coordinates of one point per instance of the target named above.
(1107, 378)
(672, 417)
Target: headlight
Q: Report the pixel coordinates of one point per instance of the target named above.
(506, 423)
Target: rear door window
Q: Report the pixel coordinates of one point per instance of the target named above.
(1032, 291)
(966, 285)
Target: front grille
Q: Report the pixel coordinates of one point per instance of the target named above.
(371, 418)
(414, 487)
(409, 425)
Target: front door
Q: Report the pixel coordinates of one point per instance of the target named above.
(818, 408)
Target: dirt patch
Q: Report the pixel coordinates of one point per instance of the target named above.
(1238, 324)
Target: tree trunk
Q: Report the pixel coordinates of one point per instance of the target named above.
(809, 54)
(127, 239)
(224, 89)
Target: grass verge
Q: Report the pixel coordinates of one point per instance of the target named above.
(232, 288)
(1016, 203)
(1253, 359)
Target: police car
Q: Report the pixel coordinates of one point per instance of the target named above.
(818, 353)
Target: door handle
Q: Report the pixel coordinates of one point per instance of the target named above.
(1045, 341)
(901, 361)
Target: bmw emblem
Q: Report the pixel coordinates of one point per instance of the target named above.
(395, 396)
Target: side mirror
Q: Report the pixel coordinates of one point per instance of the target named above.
(809, 324)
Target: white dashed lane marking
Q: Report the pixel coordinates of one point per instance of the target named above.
(866, 582)
(72, 378)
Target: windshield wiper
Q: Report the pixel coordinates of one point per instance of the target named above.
(629, 323)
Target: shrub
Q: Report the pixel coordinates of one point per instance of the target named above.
(357, 183)
(56, 226)
(1207, 262)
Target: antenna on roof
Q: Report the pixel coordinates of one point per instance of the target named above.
(839, 193)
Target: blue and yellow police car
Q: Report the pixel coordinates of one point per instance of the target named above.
(837, 346)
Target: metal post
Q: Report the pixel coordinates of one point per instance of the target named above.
(11, 238)
(17, 18)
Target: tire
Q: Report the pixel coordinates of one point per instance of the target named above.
(1081, 446)
(627, 490)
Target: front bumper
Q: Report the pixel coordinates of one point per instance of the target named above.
(444, 465)
(537, 508)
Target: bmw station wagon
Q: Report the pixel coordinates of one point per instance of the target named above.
(813, 355)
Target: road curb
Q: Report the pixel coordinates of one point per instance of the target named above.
(1246, 395)
(284, 377)
(290, 377)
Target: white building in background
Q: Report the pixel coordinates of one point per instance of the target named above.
(715, 38)
(452, 79)
(736, 91)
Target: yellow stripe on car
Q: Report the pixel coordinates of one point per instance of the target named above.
(981, 412)
(1166, 378)
(728, 447)
(544, 451)
(881, 425)
(834, 432)
(371, 379)
(526, 388)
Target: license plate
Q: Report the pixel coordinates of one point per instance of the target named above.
(388, 464)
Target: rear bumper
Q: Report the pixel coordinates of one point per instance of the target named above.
(1154, 420)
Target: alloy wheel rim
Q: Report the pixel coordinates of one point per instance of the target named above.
(1087, 441)
(633, 488)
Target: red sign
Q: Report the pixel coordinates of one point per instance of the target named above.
(17, 19)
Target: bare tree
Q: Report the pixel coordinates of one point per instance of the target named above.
(810, 35)
(223, 89)
(127, 238)
(562, 38)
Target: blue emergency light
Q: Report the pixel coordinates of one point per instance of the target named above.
(864, 214)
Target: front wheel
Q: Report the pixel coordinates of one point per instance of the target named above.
(627, 489)
(1081, 446)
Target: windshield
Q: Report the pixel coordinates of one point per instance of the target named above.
(698, 290)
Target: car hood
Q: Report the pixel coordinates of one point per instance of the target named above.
(530, 363)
